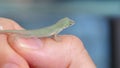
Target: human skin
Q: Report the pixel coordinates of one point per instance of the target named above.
(18, 52)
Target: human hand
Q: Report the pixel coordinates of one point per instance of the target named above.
(16, 52)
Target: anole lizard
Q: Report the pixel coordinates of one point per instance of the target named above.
(43, 32)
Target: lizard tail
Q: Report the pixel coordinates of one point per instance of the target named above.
(12, 31)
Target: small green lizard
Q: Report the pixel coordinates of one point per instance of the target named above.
(43, 32)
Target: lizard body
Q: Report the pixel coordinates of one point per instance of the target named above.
(43, 32)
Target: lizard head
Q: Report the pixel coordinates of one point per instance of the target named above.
(69, 22)
(65, 22)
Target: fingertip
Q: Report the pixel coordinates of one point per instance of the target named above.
(9, 24)
(72, 40)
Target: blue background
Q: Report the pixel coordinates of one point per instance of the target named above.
(92, 27)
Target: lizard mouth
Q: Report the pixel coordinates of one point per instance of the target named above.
(71, 22)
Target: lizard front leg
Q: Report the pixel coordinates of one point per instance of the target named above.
(56, 37)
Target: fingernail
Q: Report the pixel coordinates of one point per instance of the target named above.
(10, 65)
(33, 43)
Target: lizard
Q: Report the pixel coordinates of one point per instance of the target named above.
(49, 31)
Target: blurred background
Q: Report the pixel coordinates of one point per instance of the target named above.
(97, 23)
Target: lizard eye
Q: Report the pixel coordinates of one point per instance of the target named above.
(71, 22)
